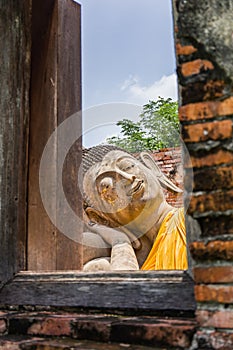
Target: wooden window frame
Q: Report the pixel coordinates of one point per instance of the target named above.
(142, 292)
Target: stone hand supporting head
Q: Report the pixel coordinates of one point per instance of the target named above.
(124, 191)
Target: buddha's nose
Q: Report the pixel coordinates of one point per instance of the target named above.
(106, 184)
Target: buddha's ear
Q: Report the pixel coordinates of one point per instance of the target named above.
(163, 179)
(96, 216)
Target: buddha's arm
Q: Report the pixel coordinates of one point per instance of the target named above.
(123, 257)
(122, 254)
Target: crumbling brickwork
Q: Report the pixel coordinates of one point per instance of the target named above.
(170, 162)
(70, 330)
(204, 44)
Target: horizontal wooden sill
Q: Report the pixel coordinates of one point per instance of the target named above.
(137, 292)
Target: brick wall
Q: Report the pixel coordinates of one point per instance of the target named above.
(205, 65)
(69, 330)
(170, 162)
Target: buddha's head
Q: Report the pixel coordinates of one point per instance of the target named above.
(123, 190)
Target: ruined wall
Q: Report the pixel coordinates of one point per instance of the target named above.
(204, 44)
(170, 162)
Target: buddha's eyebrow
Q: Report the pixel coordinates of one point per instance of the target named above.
(126, 158)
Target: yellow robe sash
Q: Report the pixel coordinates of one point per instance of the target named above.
(169, 251)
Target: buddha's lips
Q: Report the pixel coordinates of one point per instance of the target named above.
(137, 188)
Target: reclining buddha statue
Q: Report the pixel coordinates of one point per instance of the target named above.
(129, 224)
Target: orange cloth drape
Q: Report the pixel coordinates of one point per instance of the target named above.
(169, 251)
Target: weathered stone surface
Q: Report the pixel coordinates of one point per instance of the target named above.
(212, 340)
(209, 24)
(206, 117)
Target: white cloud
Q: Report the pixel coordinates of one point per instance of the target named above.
(136, 93)
(131, 81)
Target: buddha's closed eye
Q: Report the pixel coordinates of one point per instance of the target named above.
(126, 165)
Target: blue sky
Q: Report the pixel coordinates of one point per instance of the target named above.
(127, 52)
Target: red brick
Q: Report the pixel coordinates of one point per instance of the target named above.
(213, 89)
(215, 274)
(216, 319)
(195, 67)
(214, 201)
(221, 177)
(185, 50)
(57, 326)
(93, 328)
(202, 91)
(213, 340)
(220, 157)
(217, 130)
(149, 330)
(218, 225)
(213, 293)
(216, 250)
(3, 326)
(10, 345)
(206, 110)
(64, 344)
(166, 333)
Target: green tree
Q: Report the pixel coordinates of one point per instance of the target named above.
(158, 127)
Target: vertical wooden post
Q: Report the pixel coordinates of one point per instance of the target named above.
(15, 48)
(55, 95)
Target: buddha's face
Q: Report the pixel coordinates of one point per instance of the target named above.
(122, 188)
